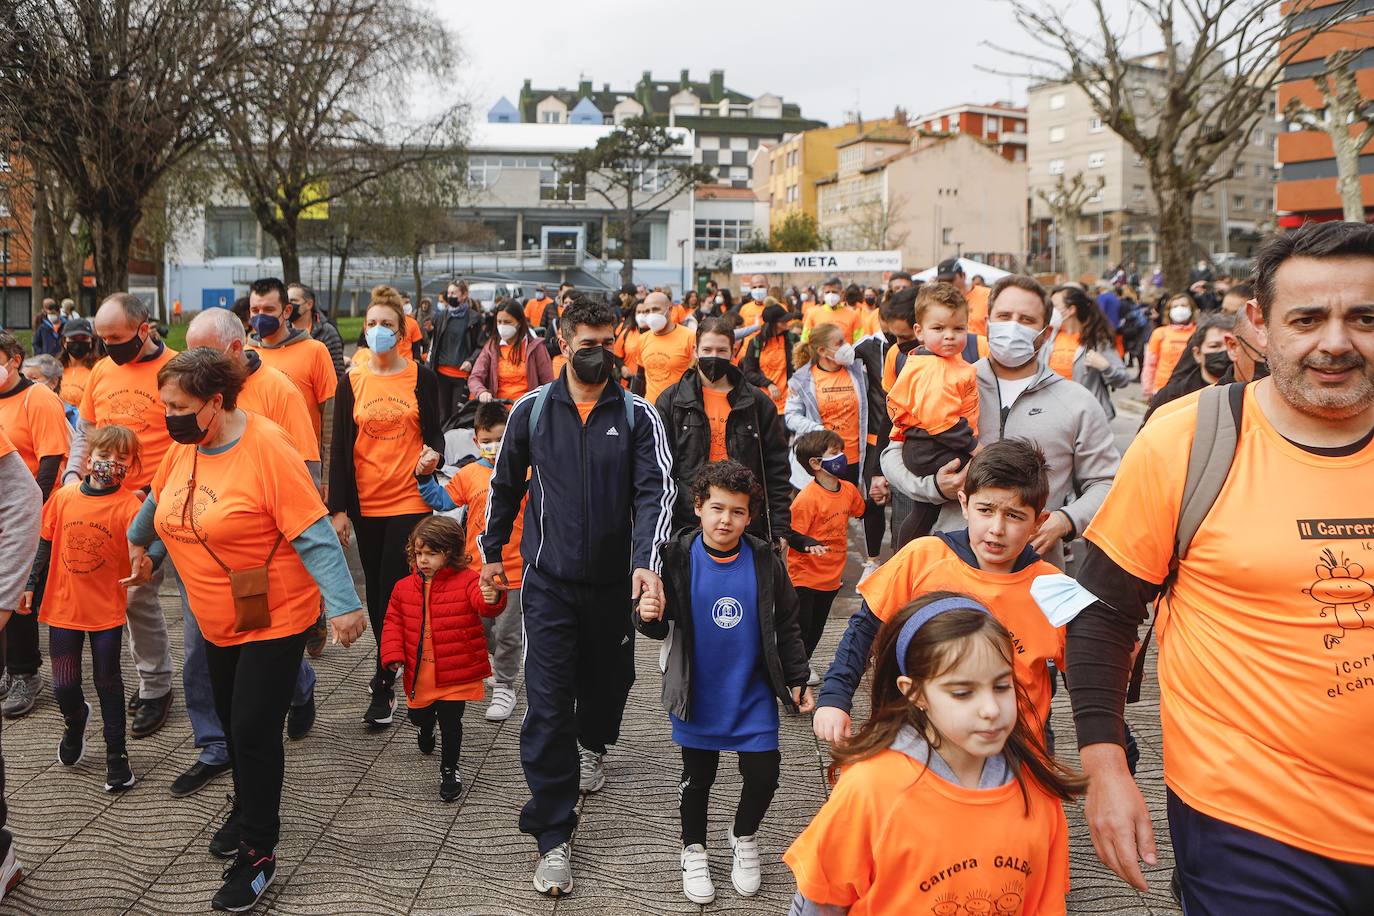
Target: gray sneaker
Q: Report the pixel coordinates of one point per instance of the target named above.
(591, 770)
(22, 696)
(6, 682)
(553, 874)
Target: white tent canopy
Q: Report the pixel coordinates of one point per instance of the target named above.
(971, 269)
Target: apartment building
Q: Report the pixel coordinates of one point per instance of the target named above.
(1001, 124)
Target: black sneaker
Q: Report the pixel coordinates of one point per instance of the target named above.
(151, 715)
(450, 786)
(196, 777)
(426, 739)
(299, 719)
(135, 701)
(225, 843)
(382, 708)
(245, 881)
(72, 747)
(118, 776)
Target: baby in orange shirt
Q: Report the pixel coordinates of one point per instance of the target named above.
(934, 402)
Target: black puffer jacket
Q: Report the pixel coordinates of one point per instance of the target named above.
(754, 436)
(784, 655)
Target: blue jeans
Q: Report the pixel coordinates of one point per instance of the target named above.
(200, 699)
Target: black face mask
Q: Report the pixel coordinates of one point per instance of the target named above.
(591, 365)
(870, 299)
(889, 337)
(1216, 363)
(185, 428)
(78, 348)
(126, 352)
(713, 367)
(452, 301)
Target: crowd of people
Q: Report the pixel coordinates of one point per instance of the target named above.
(529, 486)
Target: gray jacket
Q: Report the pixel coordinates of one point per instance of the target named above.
(802, 413)
(1099, 382)
(1063, 419)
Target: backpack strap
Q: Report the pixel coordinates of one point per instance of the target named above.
(629, 409)
(542, 398)
(1215, 437)
(971, 349)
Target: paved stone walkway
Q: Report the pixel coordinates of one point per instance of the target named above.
(364, 831)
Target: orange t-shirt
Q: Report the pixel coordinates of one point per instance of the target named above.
(717, 405)
(894, 839)
(387, 415)
(410, 336)
(751, 312)
(678, 313)
(245, 496)
(845, 317)
(307, 363)
(933, 393)
(128, 396)
(1065, 349)
(90, 554)
(558, 362)
(773, 365)
(36, 423)
(838, 403)
(426, 692)
(74, 379)
(1167, 345)
(6, 446)
(512, 378)
(929, 565)
(584, 410)
(818, 513)
(627, 348)
(664, 357)
(977, 299)
(534, 310)
(469, 487)
(1265, 644)
(270, 394)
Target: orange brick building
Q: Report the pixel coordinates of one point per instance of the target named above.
(1307, 181)
(1001, 124)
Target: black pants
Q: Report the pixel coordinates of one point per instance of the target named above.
(815, 610)
(64, 647)
(759, 770)
(252, 683)
(449, 715)
(21, 645)
(579, 667)
(453, 393)
(924, 455)
(382, 550)
(875, 516)
(6, 838)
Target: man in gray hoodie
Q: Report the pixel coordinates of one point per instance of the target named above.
(1020, 397)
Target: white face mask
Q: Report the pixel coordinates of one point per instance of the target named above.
(4, 375)
(832, 299)
(1060, 597)
(1180, 314)
(758, 293)
(1011, 343)
(655, 321)
(719, 300)
(489, 307)
(507, 331)
(408, 308)
(844, 355)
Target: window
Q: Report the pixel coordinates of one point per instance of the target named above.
(1208, 202)
(1097, 197)
(4, 163)
(649, 241)
(1094, 125)
(947, 236)
(1056, 135)
(993, 126)
(4, 204)
(553, 186)
(1137, 160)
(1259, 170)
(550, 117)
(723, 234)
(1019, 154)
(1097, 160)
(483, 171)
(1238, 202)
(1238, 171)
(792, 196)
(1017, 127)
(1261, 138)
(851, 158)
(1056, 101)
(1056, 166)
(1137, 192)
(1261, 203)
(231, 232)
(739, 173)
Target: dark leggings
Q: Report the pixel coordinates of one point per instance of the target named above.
(22, 656)
(449, 715)
(64, 647)
(453, 393)
(759, 769)
(382, 550)
(814, 611)
(875, 516)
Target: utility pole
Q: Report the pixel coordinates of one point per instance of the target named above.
(5, 284)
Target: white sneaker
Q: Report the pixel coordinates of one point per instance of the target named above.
(11, 873)
(813, 679)
(502, 704)
(870, 567)
(553, 874)
(593, 770)
(696, 875)
(745, 873)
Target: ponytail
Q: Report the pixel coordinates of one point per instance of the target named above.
(822, 335)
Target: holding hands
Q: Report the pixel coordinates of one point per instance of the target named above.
(428, 461)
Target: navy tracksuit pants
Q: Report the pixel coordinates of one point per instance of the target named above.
(579, 667)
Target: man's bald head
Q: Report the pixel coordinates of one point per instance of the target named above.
(758, 280)
(218, 329)
(658, 300)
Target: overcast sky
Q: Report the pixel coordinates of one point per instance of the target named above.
(828, 57)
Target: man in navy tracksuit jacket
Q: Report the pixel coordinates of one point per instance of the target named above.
(595, 462)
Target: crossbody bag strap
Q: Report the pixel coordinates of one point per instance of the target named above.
(188, 520)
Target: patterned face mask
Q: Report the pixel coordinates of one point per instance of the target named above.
(108, 472)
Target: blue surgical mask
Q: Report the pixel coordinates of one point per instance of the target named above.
(381, 339)
(835, 466)
(265, 325)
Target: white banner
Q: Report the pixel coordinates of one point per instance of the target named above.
(805, 262)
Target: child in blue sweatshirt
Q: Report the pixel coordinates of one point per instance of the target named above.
(734, 652)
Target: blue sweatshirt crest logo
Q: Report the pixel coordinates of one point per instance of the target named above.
(727, 613)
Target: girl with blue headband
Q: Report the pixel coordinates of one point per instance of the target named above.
(946, 800)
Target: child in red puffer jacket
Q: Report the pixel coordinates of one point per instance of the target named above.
(433, 630)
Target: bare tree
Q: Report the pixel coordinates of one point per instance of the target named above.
(1066, 200)
(107, 96)
(319, 119)
(631, 169)
(875, 225)
(413, 210)
(1343, 110)
(1187, 110)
